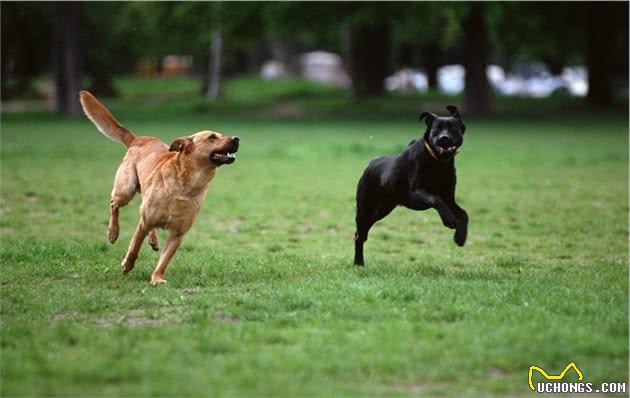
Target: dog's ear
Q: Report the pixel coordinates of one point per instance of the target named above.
(182, 144)
(452, 109)
(455, 113)
(428, 118)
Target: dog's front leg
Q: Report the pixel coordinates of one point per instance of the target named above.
(422, 200)
(170, 247)
(461, 229)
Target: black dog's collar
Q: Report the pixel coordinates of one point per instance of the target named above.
(434, 155)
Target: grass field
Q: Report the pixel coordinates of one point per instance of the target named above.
(262, 298)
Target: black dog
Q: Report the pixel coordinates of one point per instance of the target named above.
(422, 176)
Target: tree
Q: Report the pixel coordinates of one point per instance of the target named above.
(216, 50)
(369, 32)
(369, 57)
(432, 61)
(423, 34)
(66, 57)
(25, 45)
(107, 49)
(221, 31)
(607, 28)
(362, 30)
(476, 51)
(597, 37)
(214, 72)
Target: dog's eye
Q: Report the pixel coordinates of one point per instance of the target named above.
(212, 137)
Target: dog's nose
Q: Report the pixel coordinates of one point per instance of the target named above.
(236, 139)
(444, 141)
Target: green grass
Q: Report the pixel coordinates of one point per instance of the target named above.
(262, 298)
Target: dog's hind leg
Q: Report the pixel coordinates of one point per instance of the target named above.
(170, 247)
(154, 241)
(134, 247)
(363, 210)
(125, 186)
(366, 217)
(360, 236)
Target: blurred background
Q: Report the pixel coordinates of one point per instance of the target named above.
(314, 58)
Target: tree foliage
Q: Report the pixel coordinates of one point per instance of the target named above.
(374, 38)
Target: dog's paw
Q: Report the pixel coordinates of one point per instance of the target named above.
(154, 241)
(460, 237)
(127, 265)
(112, 233)
(157, 280)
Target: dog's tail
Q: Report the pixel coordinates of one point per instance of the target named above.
(104, 120)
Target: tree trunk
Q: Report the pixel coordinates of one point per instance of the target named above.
(66, 57)
(599, 60)
(21, 46)
(213, 73)
(369, 56)
(201, 69)
(404, 58)
(431, 56)
(214, 78)
(476, 51)
(59, 92)
(555, 65)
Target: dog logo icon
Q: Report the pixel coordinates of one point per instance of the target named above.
(547, 376)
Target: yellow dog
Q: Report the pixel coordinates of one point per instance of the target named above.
(172, 181)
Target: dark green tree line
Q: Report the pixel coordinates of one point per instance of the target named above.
(93, 41)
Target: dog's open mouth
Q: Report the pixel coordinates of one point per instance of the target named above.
(448, 151)
(222, 157)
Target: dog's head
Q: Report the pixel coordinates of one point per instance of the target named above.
(208, 146)
(445, 134)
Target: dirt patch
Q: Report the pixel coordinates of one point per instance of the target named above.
(304, 229)
(134, 319)
(105, 323)
(497, 373)
(188, 290)
(137, 318)
(41, 213)
(131, 321)
(226, 318)
(4, 209)
(140, 322)
(32, 197)
(233, 228)
(416, 388)
(64, 315)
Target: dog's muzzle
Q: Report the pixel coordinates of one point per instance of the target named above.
(445, 146)
(441, 153)
(227, 155)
